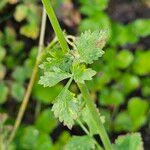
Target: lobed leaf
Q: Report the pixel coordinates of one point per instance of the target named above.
(129, 142)
(89, 45)
(66, 108)
(80, 73)
(52, 78)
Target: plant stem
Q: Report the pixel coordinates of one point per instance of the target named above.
(90, 104)
(55, 25)
(87, 132)
(31, 82)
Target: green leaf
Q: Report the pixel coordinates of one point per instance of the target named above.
(138, 109)
(124, 59)
(46, 95)
(124, 34)
(31, 138)
(19, 74)
(80, 73)
(89, 45)
(111, 97)
(30, 31)
(46, 121)
(2, 71)
(4, 93)
(80, 143)
(2, 53)
(66, 107)
(141, 65)
(129, 142)
(63, 63)
(21, 12)
(100, 20)
(52, 78)
(128, 83)
(123, 122)
(134, 117)
(17, 91)
(87, 117)
(141, 27)
(43, 142)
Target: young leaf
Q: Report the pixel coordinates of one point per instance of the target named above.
(46, 122)
(80, 143)
(4, 93)
(89, 45)
(61, 62)
(129, 142)
(52, 78)
(81, 74)
(66, 107)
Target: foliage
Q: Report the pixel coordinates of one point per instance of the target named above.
(114, 80)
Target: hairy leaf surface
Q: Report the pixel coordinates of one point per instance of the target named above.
(52, 78)
(81, 74)
(66, 107)
(89, 45)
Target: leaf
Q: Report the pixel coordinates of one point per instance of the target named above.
(43, 142)
(123, 122)
(2, 71)
(138, 109)
(86, 116)
(31, 138)
(2, 53)
(30, 31)
(66, 108)
(21, 12)
(80, 143)
(141, 27)
(134, 117)
(3, 93)
(124, 59)
(17, 91)
(128, 83)
(89, 45)
(141, 65)
(111, 97)
(52, 78)
(80, 73)
(129, 142)
(46, 95)
(46, 122)
(63, 63)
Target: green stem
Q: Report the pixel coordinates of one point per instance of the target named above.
(90, 104)
(87, 132)
(55, 24)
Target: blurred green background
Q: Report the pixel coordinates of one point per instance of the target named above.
(121, 87)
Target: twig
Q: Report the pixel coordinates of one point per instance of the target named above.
(32, 80)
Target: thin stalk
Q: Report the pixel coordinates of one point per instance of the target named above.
(87, 132)
(55, 25)
(31, 82)
(90, 104)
